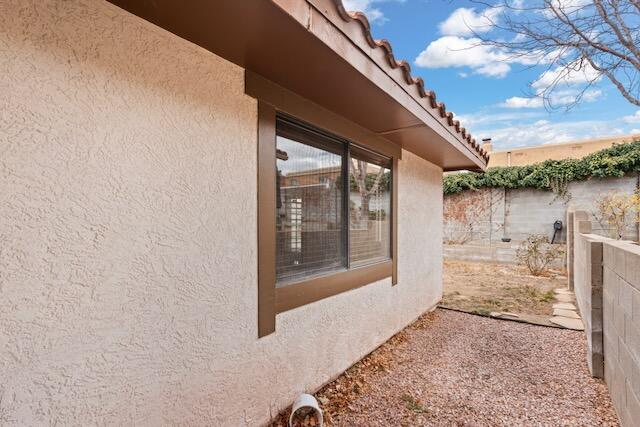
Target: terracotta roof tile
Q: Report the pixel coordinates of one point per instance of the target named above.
(361, 19)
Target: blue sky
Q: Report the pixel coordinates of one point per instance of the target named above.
(491, 97)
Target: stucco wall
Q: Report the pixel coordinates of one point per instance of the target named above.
(128, 283)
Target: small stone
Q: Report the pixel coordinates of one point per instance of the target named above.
(563, 291)
(575, 324)
(564, 306)
(565, 313)
(506, 313)
(564, 298)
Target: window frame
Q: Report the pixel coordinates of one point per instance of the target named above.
(273, 100)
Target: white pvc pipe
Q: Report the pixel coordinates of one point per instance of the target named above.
(306, 401)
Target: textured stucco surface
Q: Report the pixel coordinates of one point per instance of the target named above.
(128, 283)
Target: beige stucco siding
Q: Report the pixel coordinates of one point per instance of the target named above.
(128, 282)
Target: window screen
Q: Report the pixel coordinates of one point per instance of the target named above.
(369, 207)
(325, 222)
(310, 232)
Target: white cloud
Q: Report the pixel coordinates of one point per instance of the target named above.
(465, 21)
(365, 6)
(570, 96)
(497, 69)
(498, 119)
(556, 99)
(374, 14)
(454, 51)
(560, 86)
(565, 76)
(568, 7)
(591, 95)
(520, 102)
(634, 118)
(545, 132)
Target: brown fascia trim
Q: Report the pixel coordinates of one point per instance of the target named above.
(358, 18)
(272, 300)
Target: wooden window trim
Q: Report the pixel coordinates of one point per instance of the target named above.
(311, 290)
(271, 299)
(266, 219)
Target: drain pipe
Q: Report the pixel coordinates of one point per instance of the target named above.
(305, 406)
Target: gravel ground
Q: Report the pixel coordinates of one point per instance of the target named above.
(452, 368)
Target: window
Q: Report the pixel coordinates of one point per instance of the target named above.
(326, 204)
(325, 223)
(310, 232)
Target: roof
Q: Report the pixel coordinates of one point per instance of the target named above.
(327, 55)
(564, 150)
(361, 20)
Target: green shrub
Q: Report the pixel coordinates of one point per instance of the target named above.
(616, 161)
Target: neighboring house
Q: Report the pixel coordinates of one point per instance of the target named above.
(566, 150)
(141, 277)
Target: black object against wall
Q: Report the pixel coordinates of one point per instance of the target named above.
(557, 227)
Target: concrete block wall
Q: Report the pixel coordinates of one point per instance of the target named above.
(606, 276)
(587, 279)
(498, 252)
(533, 212)
(621, 320)
(518, 213)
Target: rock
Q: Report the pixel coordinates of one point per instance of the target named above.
(565, 313)
(564, 298)
(564, 306)
(506, 313)
(565, 322)
(563, 291)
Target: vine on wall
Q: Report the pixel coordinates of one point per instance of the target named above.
(616, 161)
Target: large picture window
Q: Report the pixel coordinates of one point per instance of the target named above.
(333, 204)
(327, 203)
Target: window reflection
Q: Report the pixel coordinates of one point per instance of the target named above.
(309, 201)
(369, 210)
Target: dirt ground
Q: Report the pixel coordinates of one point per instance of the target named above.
(457, 369)
(485, 287)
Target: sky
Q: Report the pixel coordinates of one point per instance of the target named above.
(488, 93)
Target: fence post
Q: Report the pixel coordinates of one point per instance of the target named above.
(569, 223)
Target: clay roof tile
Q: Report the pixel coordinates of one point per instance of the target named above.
(362, 20)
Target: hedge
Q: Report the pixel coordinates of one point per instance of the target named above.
(616, 161)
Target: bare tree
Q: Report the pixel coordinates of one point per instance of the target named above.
(581, 41)
(359, 173)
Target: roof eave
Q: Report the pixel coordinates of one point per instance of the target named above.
(316, 50)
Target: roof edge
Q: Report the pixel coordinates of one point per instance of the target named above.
(359, 18)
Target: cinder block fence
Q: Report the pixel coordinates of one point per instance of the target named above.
(605, 275)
